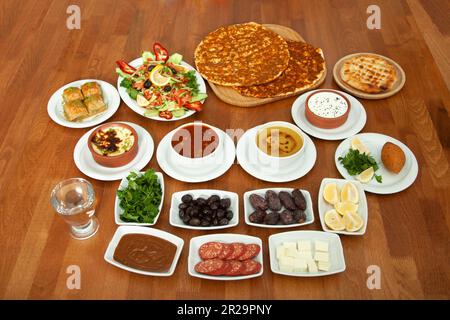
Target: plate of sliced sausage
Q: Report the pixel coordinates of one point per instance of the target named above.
(225, 257)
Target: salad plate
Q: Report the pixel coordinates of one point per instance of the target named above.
(181, 172)
(87, 165)
(355, 123)
(180, 98)
(266, 172)
(391, 182)
(110, 96)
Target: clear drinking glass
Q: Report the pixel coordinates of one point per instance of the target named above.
(74, 201)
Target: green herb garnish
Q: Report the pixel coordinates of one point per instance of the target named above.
(192, 82)
(140, 200)
(356, 162)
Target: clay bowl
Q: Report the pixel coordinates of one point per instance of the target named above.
(323, 122)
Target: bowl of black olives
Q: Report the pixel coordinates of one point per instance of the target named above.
(204, 209)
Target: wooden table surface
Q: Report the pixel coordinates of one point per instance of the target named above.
(408, 232)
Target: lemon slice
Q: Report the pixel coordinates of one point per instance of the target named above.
(356, 144)
(330, 193)
(141, 101)
(349, 193)
(345, 207)
(157, 78)
(353, 221)
(366, 175)
(334, 221)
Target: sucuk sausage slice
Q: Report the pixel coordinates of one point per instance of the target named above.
(236, 268)
(238, 250)
(227, 250)
(226, 268)
(210, 250)
(251, 267)
(251, 251)
(212, 267)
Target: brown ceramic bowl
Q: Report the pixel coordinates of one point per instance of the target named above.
(324, 122)
(117, 160)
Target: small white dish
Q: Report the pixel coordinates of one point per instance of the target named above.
(56, 112)
(392, 183)
(248, 209)
(122, 230)
(224, 159)
(273, 173)
(87, 165)
(196, 243)
(176, 221)
(356, 120)
(324, 206)
(132, 104)
(118, 210)
(337, 260)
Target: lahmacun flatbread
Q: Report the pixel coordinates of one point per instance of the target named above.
(305, 69)
(368, 73)
(242, 55)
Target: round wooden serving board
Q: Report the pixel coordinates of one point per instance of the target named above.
(398, 85)
(231, 96)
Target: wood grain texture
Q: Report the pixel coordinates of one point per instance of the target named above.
(407, 234)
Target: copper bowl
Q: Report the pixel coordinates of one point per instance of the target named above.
(118, 160)
(322, 122)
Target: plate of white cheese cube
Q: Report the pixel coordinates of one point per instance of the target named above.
(306, 253)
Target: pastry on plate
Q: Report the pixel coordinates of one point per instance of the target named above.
(71, 94)
(393, 157)
(95, 104)
(75, 110)
(242, 55)
(369, 73)
(90, 89)
(305, 69)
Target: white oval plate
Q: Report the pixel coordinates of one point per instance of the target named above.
(118, 210)
(140, 110)
(56, 112)
(355, 122)
(337, 260)
(392, 183)
(175, 220)
(86, 163)
(248, 209)
(324, 206)
(206, 173)
(196, 243)
(122, 230)
(282, 174)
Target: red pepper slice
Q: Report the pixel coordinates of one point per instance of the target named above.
(166, 115)
(161, 53)
(125, 67)
(196, 106)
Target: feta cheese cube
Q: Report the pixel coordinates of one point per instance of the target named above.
(321, 246)
(288, 245)
(305, 254)
(292, 252)
(324, 265)
(312, 267)
(322, 256)
(281, 252)
(300, 265)
(286, 264)
(304, 245)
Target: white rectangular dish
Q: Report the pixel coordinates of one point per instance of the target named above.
(123, 230)
(248, 209)
(194, 258)
(175, 220)
(337, 260)
(324, 206)
(118, 211)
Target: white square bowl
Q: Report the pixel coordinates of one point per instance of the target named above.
(122, 230)
(248, 209)
(176, 221)
(118, 210)
(196, 243)
(325, 206)
(337, 260)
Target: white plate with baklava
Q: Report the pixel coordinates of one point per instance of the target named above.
(83, 103)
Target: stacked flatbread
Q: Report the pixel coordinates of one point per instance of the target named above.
(258, 62)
